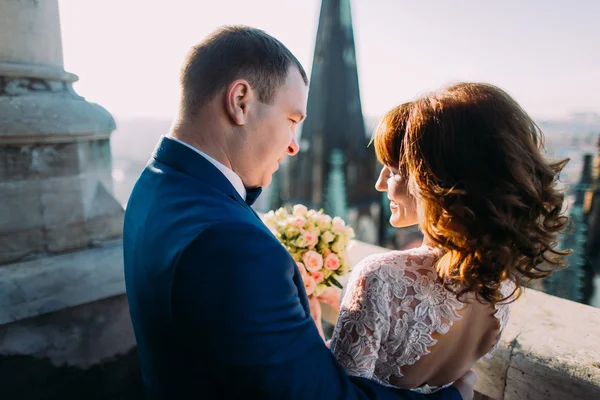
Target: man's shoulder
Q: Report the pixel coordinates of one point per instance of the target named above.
(237, 235)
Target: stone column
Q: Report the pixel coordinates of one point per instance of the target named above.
(64, 317)
(55, 161)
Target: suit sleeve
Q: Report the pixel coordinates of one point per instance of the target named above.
(241, 312)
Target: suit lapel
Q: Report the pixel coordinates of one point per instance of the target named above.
(188, 161)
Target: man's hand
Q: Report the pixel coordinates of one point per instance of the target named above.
(466, 385)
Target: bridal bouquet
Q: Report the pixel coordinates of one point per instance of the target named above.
(316, 241)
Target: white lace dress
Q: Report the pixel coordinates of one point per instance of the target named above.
(392, 305)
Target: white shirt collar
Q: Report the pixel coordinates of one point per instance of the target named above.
(234, 178)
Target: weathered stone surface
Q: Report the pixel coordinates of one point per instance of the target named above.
(556, 352)
(62, 200)
(21, 245)
(116, 379)
(30, 32)
(80, 336)
(71, 211)
(20, 206)
(66, 237)
(52, 119)
(84, 352)
(15, 163)
(53, 283)
(104, 228)
(65, 331)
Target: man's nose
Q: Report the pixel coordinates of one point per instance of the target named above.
(293, 148)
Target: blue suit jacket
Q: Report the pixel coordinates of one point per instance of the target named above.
(217, 303)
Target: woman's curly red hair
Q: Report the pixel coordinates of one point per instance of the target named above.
(486, 194)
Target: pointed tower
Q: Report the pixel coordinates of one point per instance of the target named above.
(335, 197)
(334, 121)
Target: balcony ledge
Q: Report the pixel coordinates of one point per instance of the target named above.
(549, 350)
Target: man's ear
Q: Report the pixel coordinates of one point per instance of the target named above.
(239, 98)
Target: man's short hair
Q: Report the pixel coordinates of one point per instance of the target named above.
(230, 53)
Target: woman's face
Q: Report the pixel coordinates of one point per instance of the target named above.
(402, 204)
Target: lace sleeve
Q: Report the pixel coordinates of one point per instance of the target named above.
(503, 310)
(362, 324)
(392, 307)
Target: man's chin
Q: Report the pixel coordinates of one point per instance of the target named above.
(266, 182)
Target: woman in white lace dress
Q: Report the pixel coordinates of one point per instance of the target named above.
(466, 164)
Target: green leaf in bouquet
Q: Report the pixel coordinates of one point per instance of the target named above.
(335, 282)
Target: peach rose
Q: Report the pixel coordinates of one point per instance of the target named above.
(318, 277)
(298, 221)
(309, 284)
(332, 262)
(301, 268)
(310, 238)
(312, 261)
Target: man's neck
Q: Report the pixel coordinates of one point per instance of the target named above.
(207, 144)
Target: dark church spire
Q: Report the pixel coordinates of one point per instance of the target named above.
(334, 107)
(335, 119)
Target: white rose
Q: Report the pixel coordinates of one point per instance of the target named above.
(300, 241)
(338, 247)
(350, 232)
(292, 232)
(326, 219)
(323, 247)
(299, 210)
(338, 225)
(281, 213)
(311, 214)
(328, 237)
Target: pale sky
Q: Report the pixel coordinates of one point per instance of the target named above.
(127, 53)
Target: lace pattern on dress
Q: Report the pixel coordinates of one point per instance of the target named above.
(392, 305)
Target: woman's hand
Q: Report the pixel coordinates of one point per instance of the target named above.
(316, 313)
(331, 297)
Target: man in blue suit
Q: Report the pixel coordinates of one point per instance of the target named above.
(218, 305)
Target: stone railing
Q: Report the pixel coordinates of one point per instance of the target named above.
(549, 350)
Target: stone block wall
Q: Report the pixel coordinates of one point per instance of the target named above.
(55, 197)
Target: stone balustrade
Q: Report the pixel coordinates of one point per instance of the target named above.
(549, 350)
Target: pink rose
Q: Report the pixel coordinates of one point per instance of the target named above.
(338, 224)
(332, 262)
(312, 261)
(301, 268)
(318, 277)
(310, 238)
(309, 284)
(298, 221)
